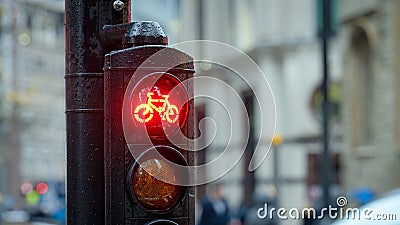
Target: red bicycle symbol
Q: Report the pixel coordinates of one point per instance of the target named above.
(144, 112)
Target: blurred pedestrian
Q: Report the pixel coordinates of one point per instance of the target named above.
(241, 214)
(309, 216)
(260, 200)
(215, 210)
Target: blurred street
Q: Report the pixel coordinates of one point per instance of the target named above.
(330, 122)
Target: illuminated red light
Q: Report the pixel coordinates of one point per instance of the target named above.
(168, 112)
(159, 103)
(42, 188)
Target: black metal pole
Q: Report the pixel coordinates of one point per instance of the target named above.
(84, 107)
(326, 161)
(14, 138)
(276, 179)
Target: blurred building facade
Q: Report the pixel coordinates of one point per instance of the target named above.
(371, 111)
(280, 36)
(31, 93)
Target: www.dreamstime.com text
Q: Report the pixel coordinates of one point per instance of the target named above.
(339, 212)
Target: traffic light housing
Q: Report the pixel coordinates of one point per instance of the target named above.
(148, 122)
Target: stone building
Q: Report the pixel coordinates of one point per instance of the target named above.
(369, 35)
(32, 93)
(281, 37)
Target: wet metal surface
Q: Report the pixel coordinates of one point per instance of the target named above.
(134, 34)
(120, 66)
(84, 107)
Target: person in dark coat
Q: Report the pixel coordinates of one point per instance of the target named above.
(260, 200)
(215, 210)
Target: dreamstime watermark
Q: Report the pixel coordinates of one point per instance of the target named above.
(332, 212)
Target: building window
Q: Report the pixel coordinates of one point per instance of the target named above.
(362, 90)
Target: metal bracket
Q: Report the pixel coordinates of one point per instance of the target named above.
(134, 34)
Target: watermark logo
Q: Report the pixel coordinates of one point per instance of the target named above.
(341, 201)
(332, 212)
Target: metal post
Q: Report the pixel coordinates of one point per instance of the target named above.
(84, 107)
(326, 161)
(276, 179)
(14, 136)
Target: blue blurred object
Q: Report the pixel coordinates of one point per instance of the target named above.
(59, 215)
(384, 211)
(362, 195)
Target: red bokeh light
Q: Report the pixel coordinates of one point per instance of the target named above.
(42, 188)
(26, 187)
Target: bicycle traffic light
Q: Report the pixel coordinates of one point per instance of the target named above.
(148, 125)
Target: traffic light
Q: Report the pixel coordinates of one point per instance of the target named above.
(148, 125)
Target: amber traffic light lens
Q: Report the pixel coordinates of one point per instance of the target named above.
(154, 180)
(152, 193)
